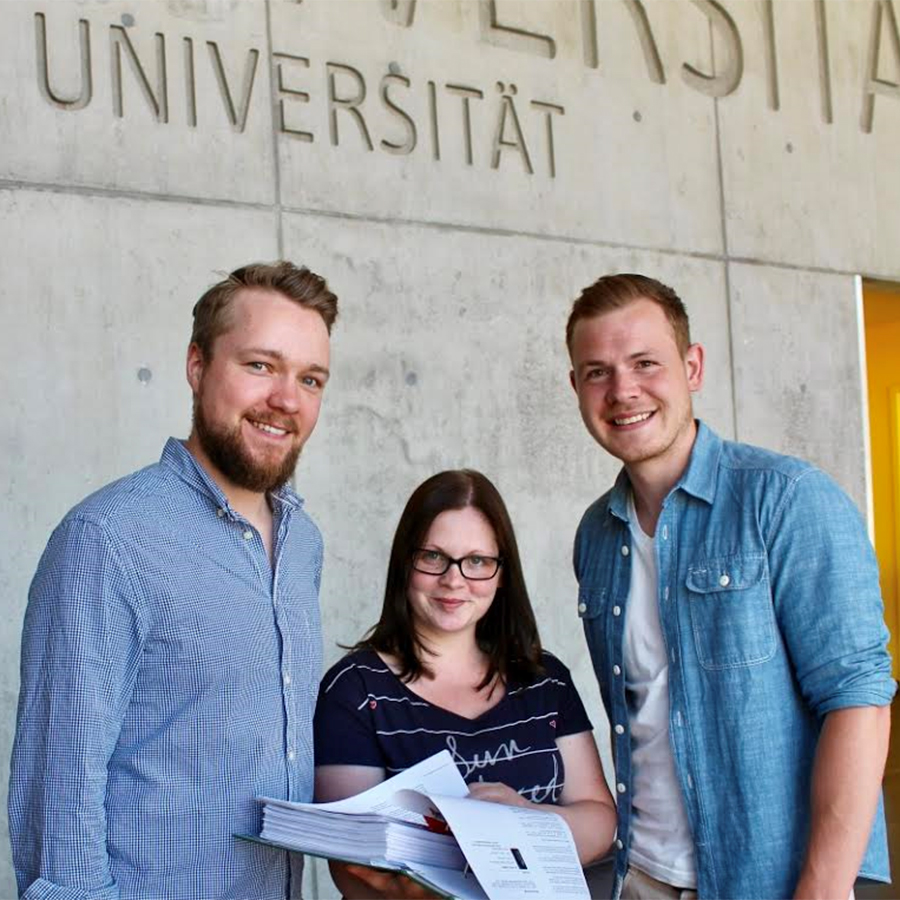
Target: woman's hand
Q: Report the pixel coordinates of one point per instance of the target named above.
(585, 803)
(496, 792)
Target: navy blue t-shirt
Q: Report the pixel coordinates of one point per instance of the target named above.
(366, 716)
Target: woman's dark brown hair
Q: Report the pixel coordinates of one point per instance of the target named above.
(507, 633)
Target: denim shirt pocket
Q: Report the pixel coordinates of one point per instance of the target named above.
(590, 605)
(731, 611)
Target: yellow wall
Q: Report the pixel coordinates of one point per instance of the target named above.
(882, 322)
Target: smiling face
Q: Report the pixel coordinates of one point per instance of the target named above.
(634, 386)
(257, 399)
(448, 603)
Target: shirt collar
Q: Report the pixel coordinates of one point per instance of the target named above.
(698, 479)
(181, 461)
(701, 475)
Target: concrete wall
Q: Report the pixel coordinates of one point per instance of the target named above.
(503, 156)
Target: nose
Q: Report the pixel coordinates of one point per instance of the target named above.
(453, 576)
(622, 387)
(285, 395)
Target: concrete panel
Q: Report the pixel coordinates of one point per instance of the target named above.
(799, 188)
(170, 98)
(96, 302)
(797, 369)
(428, 100)
(450, 352)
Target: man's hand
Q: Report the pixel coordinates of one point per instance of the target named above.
(391, 885)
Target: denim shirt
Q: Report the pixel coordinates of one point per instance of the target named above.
(772, 617)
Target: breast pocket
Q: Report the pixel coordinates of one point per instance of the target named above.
(731, 611)
(591, 604)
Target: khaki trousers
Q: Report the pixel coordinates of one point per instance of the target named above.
(639, 885)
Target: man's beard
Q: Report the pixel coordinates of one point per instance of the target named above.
(226, 450)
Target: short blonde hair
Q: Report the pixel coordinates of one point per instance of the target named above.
(296, 283)
(616, 291)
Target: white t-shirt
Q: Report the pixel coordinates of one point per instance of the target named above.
(661, 841)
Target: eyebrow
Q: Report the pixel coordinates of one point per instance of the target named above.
(435, 548)
(603, 362)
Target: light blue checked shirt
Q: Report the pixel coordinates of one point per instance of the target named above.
(169, 676)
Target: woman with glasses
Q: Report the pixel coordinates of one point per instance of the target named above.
(455, 663)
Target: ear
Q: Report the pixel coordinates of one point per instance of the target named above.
(194, 366)
(693, 366)
(572, 380)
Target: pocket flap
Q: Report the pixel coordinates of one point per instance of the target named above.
(726, 573)
(590, 603)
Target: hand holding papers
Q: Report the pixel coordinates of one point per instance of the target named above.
(510, 851)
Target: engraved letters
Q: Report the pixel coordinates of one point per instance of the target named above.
(824, 61)
(351, 104)
(512, 37)
(281, 61)
(882, 14)
(409, 144)
(401, 12)
(638, 14)
(43, 66)
(159, 101)
(731, 70)
(509, 122)
(237, 115)
(388, 110)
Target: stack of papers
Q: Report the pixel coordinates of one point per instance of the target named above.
(492, 851)
(363, 836)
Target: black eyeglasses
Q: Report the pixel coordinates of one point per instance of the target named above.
(473, 568)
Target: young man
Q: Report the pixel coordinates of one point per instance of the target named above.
(171, 651)
(730, 600)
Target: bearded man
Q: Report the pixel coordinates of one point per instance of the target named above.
(171, 649)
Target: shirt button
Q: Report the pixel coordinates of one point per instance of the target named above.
(617, 670)
(220, 512)
(291, 755)
(625, 550)
(620, 788)
(620, 729)
(665, 532)
(582, 607)
(619, 843)
(248, 534)
(287, 679)
(724, 581)
(617, 610)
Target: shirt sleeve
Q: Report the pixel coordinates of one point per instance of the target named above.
(828, 604)
(344, 730)
(572, 718)
(81, 646)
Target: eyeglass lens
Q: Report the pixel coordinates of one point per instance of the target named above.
(474, 567)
